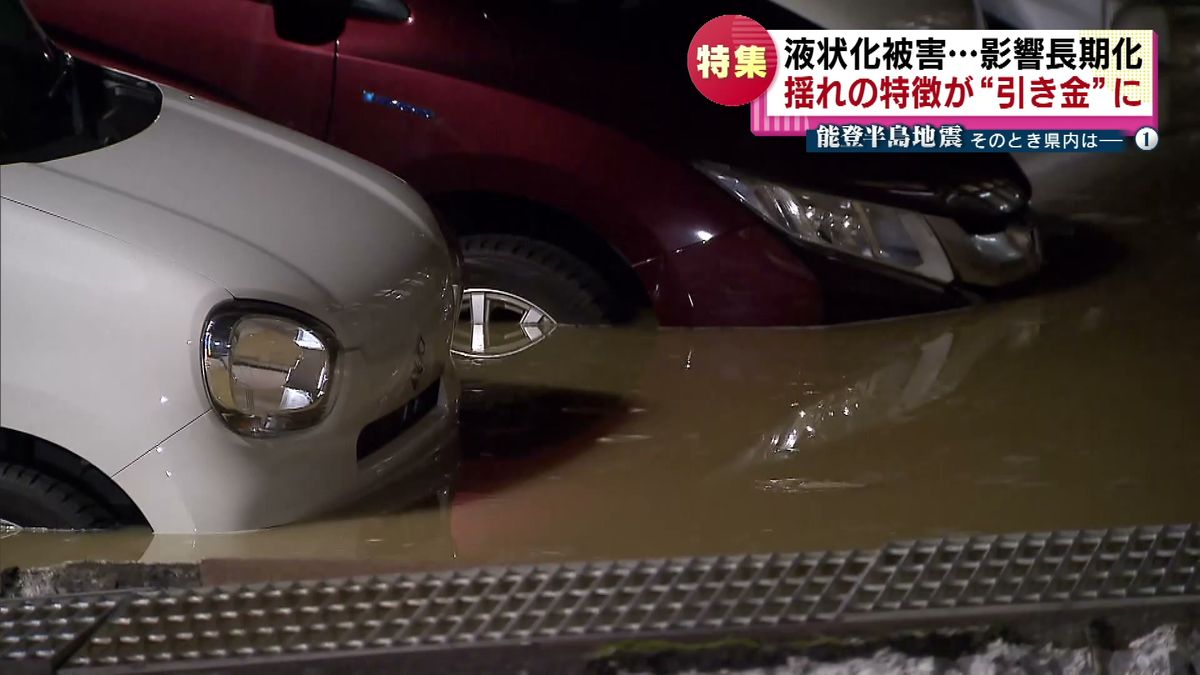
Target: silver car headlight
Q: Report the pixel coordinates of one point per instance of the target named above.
(267, 372)
(889, 236)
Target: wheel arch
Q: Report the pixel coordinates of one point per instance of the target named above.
(471, 212)
(27, 450)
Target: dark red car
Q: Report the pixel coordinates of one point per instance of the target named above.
(584, 175)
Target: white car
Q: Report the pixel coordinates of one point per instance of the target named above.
(209, 322)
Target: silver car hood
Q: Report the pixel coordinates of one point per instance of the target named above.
(878, 14)
(263, 211)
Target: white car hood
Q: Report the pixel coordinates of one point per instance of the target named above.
(265, 212)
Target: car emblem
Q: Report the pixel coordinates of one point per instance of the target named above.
(396, 104)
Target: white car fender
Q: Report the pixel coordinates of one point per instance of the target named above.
(98, 338)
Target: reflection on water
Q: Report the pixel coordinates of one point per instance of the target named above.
(1073, 407)
(915, 374)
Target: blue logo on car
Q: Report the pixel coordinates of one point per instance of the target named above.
(396, 104)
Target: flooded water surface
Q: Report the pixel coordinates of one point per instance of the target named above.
(1075, 405)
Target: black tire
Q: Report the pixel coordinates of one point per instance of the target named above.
(30, 498)
(556, 281)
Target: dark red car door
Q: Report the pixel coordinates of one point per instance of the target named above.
(225, 50)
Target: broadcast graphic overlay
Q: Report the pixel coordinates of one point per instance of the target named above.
(936, 91)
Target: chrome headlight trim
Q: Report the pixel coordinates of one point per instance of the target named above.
(267, 368)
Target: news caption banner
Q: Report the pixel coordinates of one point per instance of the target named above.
(935, 91)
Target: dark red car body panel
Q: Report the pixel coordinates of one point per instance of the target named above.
(520, 99)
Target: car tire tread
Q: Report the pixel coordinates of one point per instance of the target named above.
(550, 277)
(31, 498)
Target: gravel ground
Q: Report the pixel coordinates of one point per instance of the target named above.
(1168, 650)
(90, 577)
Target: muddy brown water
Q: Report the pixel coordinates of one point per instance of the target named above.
(1075, 405)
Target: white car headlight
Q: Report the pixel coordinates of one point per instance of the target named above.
(267, 372)
(889, 236)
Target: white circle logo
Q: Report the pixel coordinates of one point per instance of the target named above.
(1146, 138)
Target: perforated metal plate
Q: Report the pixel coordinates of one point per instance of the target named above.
(545, 603)
(50, 628)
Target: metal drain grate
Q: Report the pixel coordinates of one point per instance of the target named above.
(47, 629)
(544, 603)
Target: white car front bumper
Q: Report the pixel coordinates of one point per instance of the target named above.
(205, 478)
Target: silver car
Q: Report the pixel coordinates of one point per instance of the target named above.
(210, 322)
